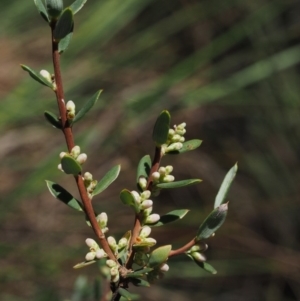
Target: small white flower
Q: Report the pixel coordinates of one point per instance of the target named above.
(143, 182)
(91, 243)
(198, 256)
(136, 196)
(145, 194)
(153, 218)
(46, 75)
(102, 219)
(112, 243)
(90, 256)
(75, 151)
(62, 154)
(70, 106)
(162, 170)
(156, 176)
(145, 232)
(169, 169)
(81, 158)
(146, 204)
(164, 267)
(88, 176)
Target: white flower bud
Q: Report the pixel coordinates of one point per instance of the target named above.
(60, 167)
(75, 151)
(112, 242)
(145, 195)
(70, 106)
(164, 267)
(81, 158)
(153, 218)
(122, 243)
(168, 178)
(110, 263)
(176, 138)
(194, 249)
(149, 241)
(102, 219)
(145, 232)
(146, 204)
(136, 196)
(114, 271)
(181, 126)
(156, 176)
(100, 254)
(180, 132)
(171, 132)
(174, 146)
(90, 256)
(148, 211)
(88, 176)
(169, 169)
(143, 182)
(46, 75)
(91, 243)
(62, 154)
(182, 139)
(162, 170)
(198, 256)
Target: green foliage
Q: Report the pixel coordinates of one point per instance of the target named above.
(161, 128)
(170, 217)
(42, 10)
(70, 166)
(37, 77)
(64, 42)
(54, 8)
(64, 25)
(187, 146)
(128, 199)
(144, 167)
(77, 5)
(179, 184)
(159, 256)
(52, 119)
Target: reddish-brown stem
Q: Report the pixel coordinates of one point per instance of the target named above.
(183, 249)
(67, 130)
(155, 166)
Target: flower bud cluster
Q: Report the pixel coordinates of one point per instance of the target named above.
(145, 205)
(175, 138)
(70, 106)
(89, 183)
(197, 252)
(75, 153)
(102, 221)
(95, 251)
(114, 270)
(163, 175)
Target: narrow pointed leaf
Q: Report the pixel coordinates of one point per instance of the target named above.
(222, 193)
(139, 282)
(161, 128)
(125, 294)
(77, 5)
(203, 265)
(128, 199)
(54, 8)
(213, 222)
(143, 169)
(90, 103)
(64, 25)
(64, 43)
(187, 146)
(139, 273)
(41, 8)
(70, 166)
(52, 119)
(64, 196)
(178, 184)
(159, 256)
(171, 217)
(83, 264)
(109, 177)
(37, 77)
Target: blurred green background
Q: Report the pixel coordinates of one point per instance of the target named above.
(229, 69)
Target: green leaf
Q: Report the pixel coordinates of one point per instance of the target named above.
(139, 282)
(83, 264)
(159, 256)
(203, 265)
(64, 43)
(187, 146)
(41, 8)
(213, 222)
(171, 217)
(128, 199)
(64, 25)
(161, 128)
(109, 177)
(125, 294)
(70, 165)
(144, 167)
(139, 273)
(222, 193)
(90, 103)
(52, 119)
(54, 7)
(64, 196)
(178, 184)
(37, 76)
(77, 5)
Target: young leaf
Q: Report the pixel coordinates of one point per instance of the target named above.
(54, 7)
(64, 43)
(178, 184)
(171, 217)
(64, 196)
(77, 5)
(128, 199)
(109, 177)
(139, 273)
(187, 146)
(125, 294)
(220, 198)
(159, 256)
(144, 167)
(64, 25)
(83, 264)
(41, 8)
(139, 282)
(204, 265)
(52, 119)
(70, 165)
(37, 77)
(213, 222)
(87, 106)
(161, 128)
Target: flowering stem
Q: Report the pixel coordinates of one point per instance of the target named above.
(183, 249)
(67, 131)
